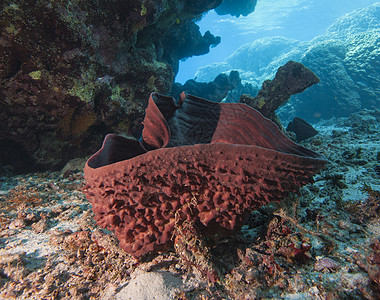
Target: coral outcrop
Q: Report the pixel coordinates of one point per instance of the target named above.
(198, 161)
(292, 78)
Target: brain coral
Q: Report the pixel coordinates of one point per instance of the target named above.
(197, 161)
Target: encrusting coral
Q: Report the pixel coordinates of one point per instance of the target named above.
(199, 162)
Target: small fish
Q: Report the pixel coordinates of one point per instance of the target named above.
(105, 79)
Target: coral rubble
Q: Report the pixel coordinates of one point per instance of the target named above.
(321, 243)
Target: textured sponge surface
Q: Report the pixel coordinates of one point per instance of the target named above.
(143, 190)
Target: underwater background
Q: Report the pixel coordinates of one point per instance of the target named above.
(269, 191)
(297, 20)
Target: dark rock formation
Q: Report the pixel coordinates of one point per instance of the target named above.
(73, 70)
(186, 42)
(198, 162)
(244, 88)
(290, 79)
(215, 90)
(236, 7)
(302, 129)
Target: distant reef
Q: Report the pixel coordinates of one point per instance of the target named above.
(72, 70)
(346, 59)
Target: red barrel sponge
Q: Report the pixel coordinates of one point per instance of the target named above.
(197, 161)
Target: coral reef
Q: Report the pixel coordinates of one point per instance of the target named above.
(201, 162)
(251, 60)
(345, 60)
(73, 70)
(369, 209)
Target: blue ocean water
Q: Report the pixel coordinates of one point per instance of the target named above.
(295, 19)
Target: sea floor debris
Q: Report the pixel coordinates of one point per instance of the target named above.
(323, 243)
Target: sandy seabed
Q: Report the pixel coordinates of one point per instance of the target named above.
(321, 244)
